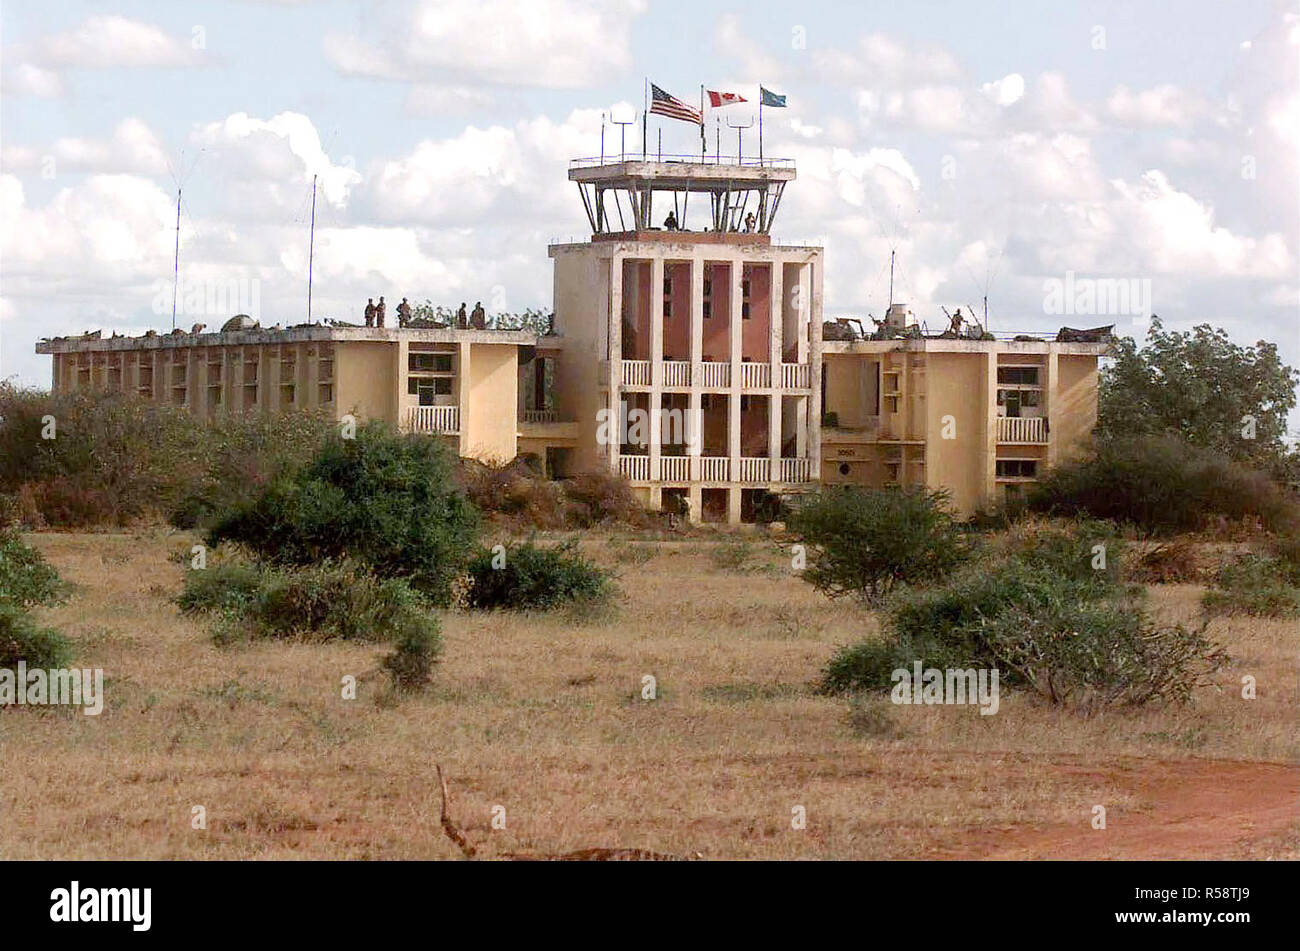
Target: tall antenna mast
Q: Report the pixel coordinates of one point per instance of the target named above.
(891, 277)
(311, 246)
(176, 259)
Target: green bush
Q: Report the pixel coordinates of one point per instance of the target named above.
(1038, 611)
(525, 576)
(415, 651)
(21, 639)
(865, 541)
(26, 578)
(326, 601)
(1161, 485)
(1254, 585)
(117, 458)
(385, 500)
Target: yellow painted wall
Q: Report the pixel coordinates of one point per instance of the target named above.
(365, 386)
(851, 382)
(489, 422)
(954, 387)
(1075, 414)
(581, 315)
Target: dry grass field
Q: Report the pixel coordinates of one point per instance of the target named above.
(542, 715)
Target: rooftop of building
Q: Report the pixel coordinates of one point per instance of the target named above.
(680, 172)
(248, 333)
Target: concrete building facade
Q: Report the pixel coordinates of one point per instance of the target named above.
(691, 362)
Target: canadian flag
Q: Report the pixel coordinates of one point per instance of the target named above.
(724, 98)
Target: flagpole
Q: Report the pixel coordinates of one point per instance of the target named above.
(645, 118)
(760, 124)
(704, 143)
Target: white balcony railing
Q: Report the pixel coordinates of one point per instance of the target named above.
(755, 375)
(674, 468)
(755, 470)
(541, 416)
(796, 470)
(634, 468)
(433, 419)
(716, 375)
(714, 468)
(636, 372)
(796, 376)
(677, 373)
(1022, 429)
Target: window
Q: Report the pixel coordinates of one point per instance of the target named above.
(429, 362)
(1025, 376)
(668, 308)
(744, 310)
(1017, 468)
(327, 392)
(442, 386)
(668, 286)
(708, 310)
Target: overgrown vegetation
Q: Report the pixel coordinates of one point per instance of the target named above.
(865, 541)
(1256, 585)
(321, 602)
(526, 576)
(522, 498)
(27, 580)
(1047, 609)
(1163, 485)
(89, 459)
(1203, 389)
(385, 500)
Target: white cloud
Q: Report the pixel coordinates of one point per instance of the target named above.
(549, 43)
(1163, 105)
(133, 148)
(28, 79)
(106, 41)
(267, 160)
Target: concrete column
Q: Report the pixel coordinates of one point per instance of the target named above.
(697, 377)
(812, 334)
(656, 368)
(989, 453)
(734, 327)
(615, 378)
(1050, 387)
(401, 354)
(463, 348)
(775, 319)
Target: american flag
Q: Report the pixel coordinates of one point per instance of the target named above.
(665, 105)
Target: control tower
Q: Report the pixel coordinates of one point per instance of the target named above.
(692, 341)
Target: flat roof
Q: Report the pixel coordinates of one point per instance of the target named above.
(272, 335)
(958, 345)
(682, 174)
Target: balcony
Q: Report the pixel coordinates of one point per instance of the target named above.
(634, 468)
(540, 416)
(796, 376)
(675, 469)
(442, 420)
(796, 470)
(636, 372)
(755, 376)
(677, 373)
(1022, 430)
(714, 468)
(755, 470)
(716, 376)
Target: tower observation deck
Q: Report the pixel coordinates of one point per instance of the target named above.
(722, 201)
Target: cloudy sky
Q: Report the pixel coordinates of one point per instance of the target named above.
(994, 147)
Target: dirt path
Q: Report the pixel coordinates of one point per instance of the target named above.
(1183, 809)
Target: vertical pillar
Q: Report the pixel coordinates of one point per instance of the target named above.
(810, 336)
(775, 316)
(463, 367)
(656, 370)
(1050, 412)
(989, 453)
(615, 378)
(735, 328)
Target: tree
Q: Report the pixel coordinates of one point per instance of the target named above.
(865, 541)
(1203, 388)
